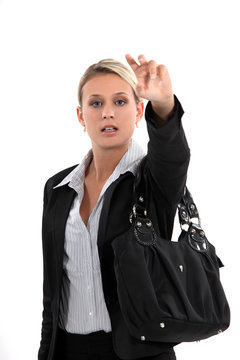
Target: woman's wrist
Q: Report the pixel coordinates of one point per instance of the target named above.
(163, 109)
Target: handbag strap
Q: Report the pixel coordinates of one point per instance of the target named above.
(187, 209)
(187, 212)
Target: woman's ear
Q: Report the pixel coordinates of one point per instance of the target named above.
(80, 115)
(140, 110)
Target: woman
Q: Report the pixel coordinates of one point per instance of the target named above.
(87, 206)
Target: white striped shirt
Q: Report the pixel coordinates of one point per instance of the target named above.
(82, 306)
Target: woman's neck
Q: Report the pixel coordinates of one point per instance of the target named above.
(104, 162)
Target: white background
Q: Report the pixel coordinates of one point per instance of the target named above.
(45, 47)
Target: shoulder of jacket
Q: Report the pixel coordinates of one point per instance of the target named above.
(58, 177)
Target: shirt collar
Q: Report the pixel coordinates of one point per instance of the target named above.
(128, 162)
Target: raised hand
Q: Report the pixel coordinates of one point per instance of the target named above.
(154, 84)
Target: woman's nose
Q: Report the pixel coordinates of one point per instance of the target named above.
(108, 112)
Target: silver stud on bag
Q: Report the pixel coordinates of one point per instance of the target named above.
(141, 199)
(149, 224)
(184, 214)
(193, 231)
(181, 268)
(131, 218)
(143, 338)
(139, 224)
(202, 233)
(162, 325)
(192, 207)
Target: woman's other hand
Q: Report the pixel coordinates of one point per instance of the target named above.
(154, 84)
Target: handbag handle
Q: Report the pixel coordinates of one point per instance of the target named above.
(187, 209)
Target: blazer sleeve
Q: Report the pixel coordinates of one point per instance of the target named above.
(167, 163)
(46, 332)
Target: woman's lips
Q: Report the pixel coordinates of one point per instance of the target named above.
(109, 130)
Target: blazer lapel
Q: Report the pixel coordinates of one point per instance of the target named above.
(105, 211)
(64, 198)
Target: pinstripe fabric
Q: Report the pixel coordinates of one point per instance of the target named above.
(82, 306)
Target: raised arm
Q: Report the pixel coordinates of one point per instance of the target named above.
(168, 152)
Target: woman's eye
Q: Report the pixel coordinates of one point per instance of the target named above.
(120, 102)
(96, 103)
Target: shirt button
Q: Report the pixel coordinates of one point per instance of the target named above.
(90, 313)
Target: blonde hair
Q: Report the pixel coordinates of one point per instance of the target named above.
(109, 66)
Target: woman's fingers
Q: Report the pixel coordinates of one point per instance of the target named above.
(131, 62)
(162, 72)
(142, 66)
(146, 71)
(142, 60)
(153, 83)
(146, 68)
(152, 67)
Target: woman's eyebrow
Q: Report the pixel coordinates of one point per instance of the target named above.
(121, 93)
(117, 93)
(94, 95)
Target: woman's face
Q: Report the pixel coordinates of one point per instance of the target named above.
(109, 111)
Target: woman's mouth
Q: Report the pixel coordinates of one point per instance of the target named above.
(109, 130)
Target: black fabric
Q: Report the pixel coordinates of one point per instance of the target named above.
(168, 291)
(94, 346)
(167, 163)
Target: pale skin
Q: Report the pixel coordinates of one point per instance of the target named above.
(108, 101)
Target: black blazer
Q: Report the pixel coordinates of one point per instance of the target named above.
(167, 162)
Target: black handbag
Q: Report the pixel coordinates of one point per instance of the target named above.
(168, 291)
